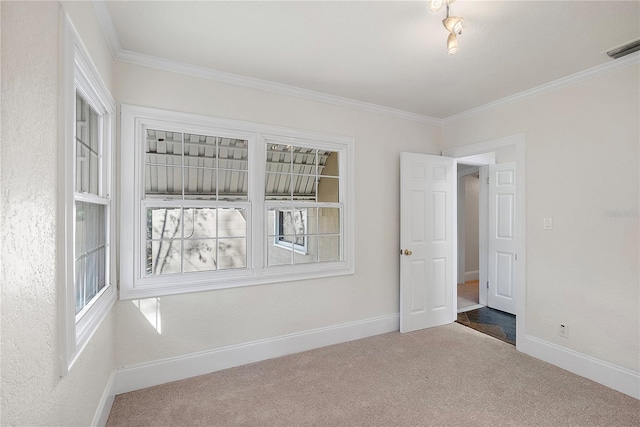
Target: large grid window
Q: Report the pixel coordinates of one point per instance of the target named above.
(220, 203)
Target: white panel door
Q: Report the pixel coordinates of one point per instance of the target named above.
(502, 237)
(427, 239)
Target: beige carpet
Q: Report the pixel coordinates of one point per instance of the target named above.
(468, 294)
(445, 376)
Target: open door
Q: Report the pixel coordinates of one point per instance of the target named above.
(502, 255)
(427, 239)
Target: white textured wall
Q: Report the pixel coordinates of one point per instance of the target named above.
(582, 159)
(471, 227)
(207, 320)
(33, 393)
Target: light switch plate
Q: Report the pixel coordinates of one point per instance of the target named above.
(547, 224)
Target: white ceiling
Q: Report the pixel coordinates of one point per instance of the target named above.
(389, 53)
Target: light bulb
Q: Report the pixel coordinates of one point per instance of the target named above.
(453, 24)
(436, 5)
(452, 44)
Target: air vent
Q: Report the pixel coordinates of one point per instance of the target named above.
(624, 50)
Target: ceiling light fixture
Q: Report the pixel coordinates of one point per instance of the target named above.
(453, 24)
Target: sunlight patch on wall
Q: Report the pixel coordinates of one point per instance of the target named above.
(150, 309)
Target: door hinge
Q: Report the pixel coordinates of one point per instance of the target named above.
(516, 257)
(487, 284)
(487, 180)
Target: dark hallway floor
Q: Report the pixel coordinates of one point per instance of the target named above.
(492, 322)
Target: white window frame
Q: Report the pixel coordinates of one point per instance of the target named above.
(79, 75)
(133, 283)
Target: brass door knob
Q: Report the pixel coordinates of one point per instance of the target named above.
(408, 252)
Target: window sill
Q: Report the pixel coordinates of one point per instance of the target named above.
(276, 274)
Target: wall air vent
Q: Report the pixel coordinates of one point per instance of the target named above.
(624, 50)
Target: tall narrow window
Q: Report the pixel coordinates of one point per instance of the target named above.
(87, 283)
(91, 206)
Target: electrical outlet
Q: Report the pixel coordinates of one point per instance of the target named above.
(563, 331)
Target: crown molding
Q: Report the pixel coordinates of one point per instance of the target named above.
(571, 79)
(108, 28)
(240, 80)
(120, 54)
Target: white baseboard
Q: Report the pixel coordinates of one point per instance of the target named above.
(106, 402)
(616, 377)
(177, 368)
(471, 275)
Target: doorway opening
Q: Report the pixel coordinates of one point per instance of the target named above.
(486, 243)
(468, 237)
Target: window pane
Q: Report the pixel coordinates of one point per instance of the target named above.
(199, 255)
(292, 222)
(329, 221)
(311, 226)
(304, 160)
(87, 144)
(163, 257)
(79, 283)
(277, 186)
(310, 252)
(232, 222)
(328, 163)
(89, 252)
(233, 185)
(164, 223)
(90, 227)
(202, 183)
(91, 281)
(233, 154)
(82, 168)
(163, 143)
(102, 258)
(304, 187)
(199, 150)
(278, 157)
(163, 163)
(279, 250)
(328, 190)
(163, 180)
(200, 223)
(93, 168)
(328, 248)
(232, 253)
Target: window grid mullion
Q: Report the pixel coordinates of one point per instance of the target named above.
(182, 216)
